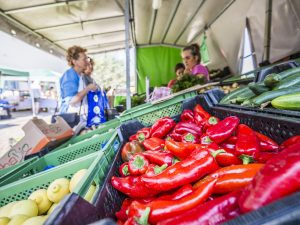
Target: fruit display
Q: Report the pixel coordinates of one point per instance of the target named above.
(41, 203)
(202, 170)
(281, 90)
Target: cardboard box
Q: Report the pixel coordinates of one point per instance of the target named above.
(38, 135)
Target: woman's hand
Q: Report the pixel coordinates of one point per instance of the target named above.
(91, 87)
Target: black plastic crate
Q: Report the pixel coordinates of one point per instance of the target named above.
(109, 200)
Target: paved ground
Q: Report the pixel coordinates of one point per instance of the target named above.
(12, 128)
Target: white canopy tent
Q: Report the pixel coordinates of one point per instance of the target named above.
(98, 25)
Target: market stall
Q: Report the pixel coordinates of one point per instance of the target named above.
(224, 152)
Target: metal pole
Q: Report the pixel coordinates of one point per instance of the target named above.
(128, 95)
(267, 36)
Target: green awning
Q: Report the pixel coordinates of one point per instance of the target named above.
(16, 73)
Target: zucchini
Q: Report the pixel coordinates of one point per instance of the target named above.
(258, 88)
(270, 95)
(289, 102)
(292, 80)
(233, 95)
(247, 94)
(273, 79)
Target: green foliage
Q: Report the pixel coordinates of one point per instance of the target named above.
(187, 81)
(135, 100)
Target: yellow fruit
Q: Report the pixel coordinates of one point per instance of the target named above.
(38, 220)
(4, 220)
(41, 199)
(90, 193)
(58, 189)
(17, 220)
(77, 178)
(5, 210)
(52, 208)
(25, 207)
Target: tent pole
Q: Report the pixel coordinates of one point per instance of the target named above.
(128, 95)
(267, 35)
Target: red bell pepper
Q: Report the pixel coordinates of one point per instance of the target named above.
(198, 164)
(187, 116)
(215, 212)
(266, 143)
(247, 143)
(179, 149)
(143, 134)
(190, 138)
(121, 214)
(164, 209)
(265, 156)
(159, 157)
(154, 144)
(183, 128)
(138, 164)
(175, 137)
(201, 112)
(278, 178)
(180, 193)
(162, 127)
(224, 158)
(132, 186)
(210, 122)
(223, 130)
(290, 141)
(123, 170)
(130, 149)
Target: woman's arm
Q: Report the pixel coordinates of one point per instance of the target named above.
(80, 95)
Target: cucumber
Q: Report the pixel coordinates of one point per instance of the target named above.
(273, 79)
(233, 95)
(270, 95)
(258, 88)
(247, 94)
(291, 80)
(289, 102)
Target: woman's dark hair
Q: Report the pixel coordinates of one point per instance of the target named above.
(179, 66)
(195, 50)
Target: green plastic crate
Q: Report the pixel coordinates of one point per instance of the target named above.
(21, 189)
(8, 170)
(148, 115)
(103, 128)
(63, 156)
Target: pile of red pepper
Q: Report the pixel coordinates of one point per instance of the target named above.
(202, 171)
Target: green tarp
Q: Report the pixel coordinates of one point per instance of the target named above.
(158, 63)
(9, 72)
(204, 50)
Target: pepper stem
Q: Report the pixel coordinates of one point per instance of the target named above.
(189, 137)
(212, 120)
(159, 169)
(206, 140)
(175, 160)
(246, 159)
(139, 162)
(143, 220)
(125, 170)
(141, 137)
(217, 152)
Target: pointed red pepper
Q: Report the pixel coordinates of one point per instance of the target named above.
(187, 116)
(201, 112)
(159, 157)
(138, 164)
(210, 122)
(164, 209)
(153, 170)
(265, 156)
(190, 138)
(182, 128)
(223, 130)
(216, 211)
(154, 144)
(132, 186)
(179, 149)
(121, 214)
(290, 141)
(143, 134)
(224, 158)
(247, 142)
(278, 178)
(198, 164)
(180, 193)
(162, 127)
(123, 170)
(266, 143)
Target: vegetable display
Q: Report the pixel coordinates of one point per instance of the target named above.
(281, 90)
(202, 170)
